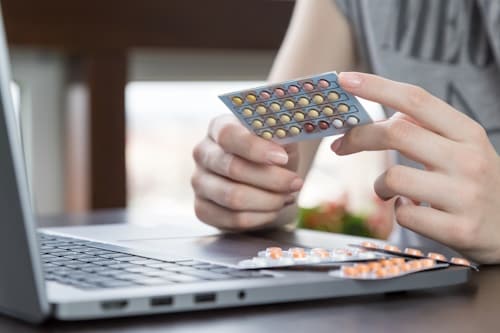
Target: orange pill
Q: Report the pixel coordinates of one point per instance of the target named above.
(374, 265)
(415, 265)
(392, 248)
(406, 267)
(397, 261)
(350, 271)
(460, 261)
(370, 245)
(386, 262)
(414, 252)
(427, 263)
(381, 273)
(363, 268)
(298, 252)
(436, 256)
(275, 254)
(322, 253)
(393, 270)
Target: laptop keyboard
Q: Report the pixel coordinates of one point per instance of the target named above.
(82, 264)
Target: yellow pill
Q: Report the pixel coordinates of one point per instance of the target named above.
(294, 130)
(285, 118)
(328, 111)
(280, 133)
(289, 104)
(257, 123)
(333, 96)
(237, 101)
(261, 109)
(303, 101)
(247, 112)
(266, 135)
(299, 116)
(343, 108)
(313, 113)
(275, 107)
(251, 98)
(318, 99)
(271, 121)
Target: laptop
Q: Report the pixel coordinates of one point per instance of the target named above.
(89, 272)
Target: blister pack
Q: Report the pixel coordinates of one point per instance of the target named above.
(307, 108)
(274, 257)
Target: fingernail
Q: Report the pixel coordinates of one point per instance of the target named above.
(401, 201)
(296, 184)
(289, 200)
(350, 79)
(336, 144)
(277, 157)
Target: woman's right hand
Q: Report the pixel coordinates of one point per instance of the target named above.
(242, 181)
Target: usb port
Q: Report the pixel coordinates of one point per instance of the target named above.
(204, 298)
(162, 301)
(114, 305)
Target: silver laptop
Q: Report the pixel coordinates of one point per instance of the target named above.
(90, 272)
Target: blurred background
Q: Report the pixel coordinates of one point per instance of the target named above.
(113, 95)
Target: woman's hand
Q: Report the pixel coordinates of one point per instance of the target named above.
(461, 179)
(242, 181)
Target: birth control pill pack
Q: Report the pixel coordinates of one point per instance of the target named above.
(307, 108)
(412, 253)
(275, 257)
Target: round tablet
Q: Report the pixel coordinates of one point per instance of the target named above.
(280, 133)
(261, 109)
(237, 100)
(363, 269)
(293, 89)
(460, 261)
(374, 265)
(294, 130)
(405, 267)
(337, 123)
(251, 98)
(257, 123)
(323, 125)
(313, 113)
(415, 265)
(299, 116)
(343, 108)
(265, 94)
(323, 83)
(279, 92)
(309, 127)
(381, 273)
(247, 112)
(393, 270)
(289, 104)
(351, 120)
(386, 263)
(350, 271)
(333, 96)
(436, 256)
(266, 135)
(318, 99)
(397, 261)
(284, 118)
(369, 245)
(271, 121)
(303, 101)
(308, 86)
(275, 107)
(414, 252)
(328, 111)
(392, 248)
(427, 263)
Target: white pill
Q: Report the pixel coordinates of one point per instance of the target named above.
(337, 123)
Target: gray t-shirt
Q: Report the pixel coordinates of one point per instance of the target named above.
(449, 47)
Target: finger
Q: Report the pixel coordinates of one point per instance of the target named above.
(411, 140)
(415, 184)
(236, 196)
(212, 157)
(427, 221)
(224, 218)
(234, 138)
(430, 111)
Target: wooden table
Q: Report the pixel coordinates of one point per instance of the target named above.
(98, 34)
(468, 308)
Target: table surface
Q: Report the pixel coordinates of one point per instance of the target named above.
(466, 308)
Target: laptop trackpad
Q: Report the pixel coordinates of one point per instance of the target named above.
(224, 248)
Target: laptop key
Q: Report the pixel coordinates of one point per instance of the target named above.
(162, 265)
(181, 278)
(117, 284)
(129, 258)
(152, 281)
(122, 265)
(145, 262)
(189, 262)
(139, 269)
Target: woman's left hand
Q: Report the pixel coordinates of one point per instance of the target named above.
(461, 178)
